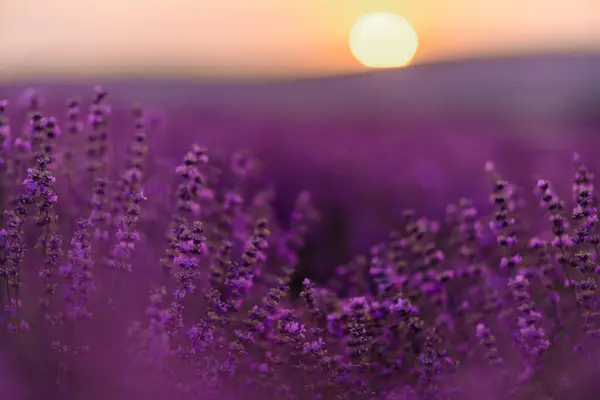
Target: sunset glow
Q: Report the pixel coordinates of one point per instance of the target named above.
(268, 38)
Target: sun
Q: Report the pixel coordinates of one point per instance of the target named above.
(383, 40)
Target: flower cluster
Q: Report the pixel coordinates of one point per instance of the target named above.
(485, 297)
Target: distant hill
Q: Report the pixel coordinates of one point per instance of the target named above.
(532, 86)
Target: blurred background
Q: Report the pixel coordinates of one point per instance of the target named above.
(514, 81)
(268, 38)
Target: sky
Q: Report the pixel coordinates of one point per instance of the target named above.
(268, 38)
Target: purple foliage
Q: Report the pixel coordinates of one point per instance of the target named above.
(122, 279)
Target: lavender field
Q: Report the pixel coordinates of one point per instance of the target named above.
(426, 233)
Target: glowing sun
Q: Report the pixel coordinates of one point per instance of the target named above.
(383, 40)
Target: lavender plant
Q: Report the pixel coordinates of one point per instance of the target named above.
(96, 304)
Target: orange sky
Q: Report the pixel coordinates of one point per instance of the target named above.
(267, 38)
